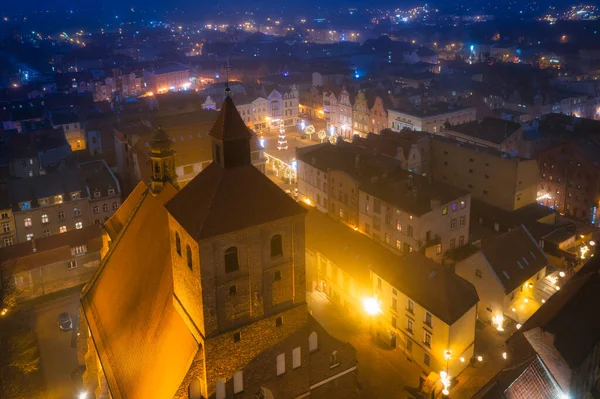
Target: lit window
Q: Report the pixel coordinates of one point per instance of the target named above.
(79, 225)
(58, 199)
(27, 222)
(454, 207)
(62, 229)
(445, 210)
(29, 236)
(281, 364)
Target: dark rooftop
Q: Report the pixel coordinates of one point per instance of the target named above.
(428, 110)
(516, 266)
(490, 129)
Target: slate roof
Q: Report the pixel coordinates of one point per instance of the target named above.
(99, 178)
(44, 186)
(523, 260)
(437, 289)
(145, 346)
(490, 129)
(209, 205)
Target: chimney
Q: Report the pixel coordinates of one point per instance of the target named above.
(314, 160)
(33, 248)
(357, 161)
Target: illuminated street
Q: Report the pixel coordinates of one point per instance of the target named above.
(58, 356)
(384, 372)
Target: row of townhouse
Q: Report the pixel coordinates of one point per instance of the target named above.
(349, 115)
(373, 194)
(267, 112)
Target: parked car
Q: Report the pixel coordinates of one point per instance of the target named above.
(65, 322)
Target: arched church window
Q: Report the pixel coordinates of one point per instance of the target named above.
(178, 243)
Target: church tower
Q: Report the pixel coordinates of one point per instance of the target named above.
(162, 159)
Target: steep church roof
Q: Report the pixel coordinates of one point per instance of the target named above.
(129, 305)
(229, 124)
(222, 199)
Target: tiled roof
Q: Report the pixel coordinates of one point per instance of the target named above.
(516, 266)
(144, 345)
(61, 182)
(209, 205)
(437, 289)
(50, 249)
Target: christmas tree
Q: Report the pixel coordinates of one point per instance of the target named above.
(282, 141)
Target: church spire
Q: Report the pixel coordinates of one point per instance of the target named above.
(231, 137)
(162, 159)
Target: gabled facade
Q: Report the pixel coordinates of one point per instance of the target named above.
(378, 116)
(361, 115)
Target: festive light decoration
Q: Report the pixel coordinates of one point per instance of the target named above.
(310, 130)
(333, 138)
(282, 141)
(497, 321)
(445, 379)
(518, 326)
(322, 135)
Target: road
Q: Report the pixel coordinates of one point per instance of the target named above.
(57, 351)
(382, 372)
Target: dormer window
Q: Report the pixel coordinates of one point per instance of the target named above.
(75, 196)
(96, 194)
(58, 199)
(25, 205)
(111, 191)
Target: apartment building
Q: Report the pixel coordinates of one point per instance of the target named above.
(49, 264)
(407, 213)
(426, 309)
(68, 121)
(431, 118)
(7, 232)
(104, 190)
(505, 273)
(569, 180)
(168, 77)
(494, 177)
(431, 311)
(329, 176)
(63, 200)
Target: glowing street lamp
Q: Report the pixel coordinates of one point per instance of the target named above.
(372, 305)
(497, 321)
(445, 378)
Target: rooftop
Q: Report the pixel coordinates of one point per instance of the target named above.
(439, 108)
(437, 289)
(44, 186)
(99, 178)
(410, 192)
(490, 129)
(51, 249)
(516, 266)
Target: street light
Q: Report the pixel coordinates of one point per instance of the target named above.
(372, 307)
(83, 395)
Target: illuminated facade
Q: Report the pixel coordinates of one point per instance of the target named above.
(7, 232)
(425, 309)
(173, 77)
(431, 118)
(361, 115)
(506, 280)
(221, 309)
